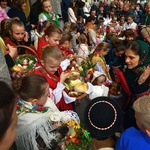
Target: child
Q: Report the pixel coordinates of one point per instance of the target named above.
(99, 58)
(52, 37)
(48, 14)
(65, 44)
(39, 120)
(39, 32)
(73, 31)
(99, 88)
(82, 47)
(80, 24)
(3, 15)
(67, 27)
(130, 24)
(17, 36)
(51, 70)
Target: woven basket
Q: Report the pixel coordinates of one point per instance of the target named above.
(74, 57)
(19, 74)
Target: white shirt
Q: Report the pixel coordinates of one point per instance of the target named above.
(71, 15)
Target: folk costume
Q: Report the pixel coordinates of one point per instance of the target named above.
(49, 16)
(101, 65)
(53, 80)
(38, 127)
(132, 76)
(41, 43)
(65, 51)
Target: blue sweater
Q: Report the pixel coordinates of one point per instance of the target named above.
(133, 139)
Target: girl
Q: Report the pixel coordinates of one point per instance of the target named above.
(3, 15)
(17, 36)
(82, 47)
(51, 70)
(52, 36)
(39, 120)
(130, 24)
(67, 26)
(99, 88)
(99, 58)
(48, 14)
(65, 44)
(39, 32)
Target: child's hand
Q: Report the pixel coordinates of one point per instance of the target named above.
(64, 76)
(26, 36)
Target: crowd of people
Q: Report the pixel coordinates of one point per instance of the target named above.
(114, 36)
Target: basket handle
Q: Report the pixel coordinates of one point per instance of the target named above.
(29, 48)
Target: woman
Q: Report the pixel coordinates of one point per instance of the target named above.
(71, 13)
(8, 116)
(17, 10)
(91, 28)
(137, 56)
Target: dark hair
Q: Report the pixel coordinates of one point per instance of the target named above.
(134, 46)
(31, 86)
(17, 4)
(7, 103)
(66, 37)
(73, 26)
(129, 32)
(90, 18)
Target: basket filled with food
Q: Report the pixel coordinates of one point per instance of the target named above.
(80, 74)
(24, 64)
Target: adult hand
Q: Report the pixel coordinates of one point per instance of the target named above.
(12, 51)
(144, 75)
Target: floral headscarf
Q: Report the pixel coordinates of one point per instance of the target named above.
(144, 57)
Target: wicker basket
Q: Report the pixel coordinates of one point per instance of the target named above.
(19, 74)
(74, 57)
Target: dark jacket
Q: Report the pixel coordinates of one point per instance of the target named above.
(21, 15)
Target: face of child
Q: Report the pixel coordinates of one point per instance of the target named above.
(47, 6)
(42, 100)
(104, 52)
(129, 38)
(119, 54)
(101, 80)
(3, 4)
(8, 140)
(66, 44)
(129, 20)
(51, 65)
(54, 39)
(17, 32)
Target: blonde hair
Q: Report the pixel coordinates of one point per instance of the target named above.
(53, 52)
(82, 39)
(142, 107)
(67, 26)
(102, 46)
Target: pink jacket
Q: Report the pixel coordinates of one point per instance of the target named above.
(3, 15)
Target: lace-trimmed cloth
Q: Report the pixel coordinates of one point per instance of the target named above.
(33, 122)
